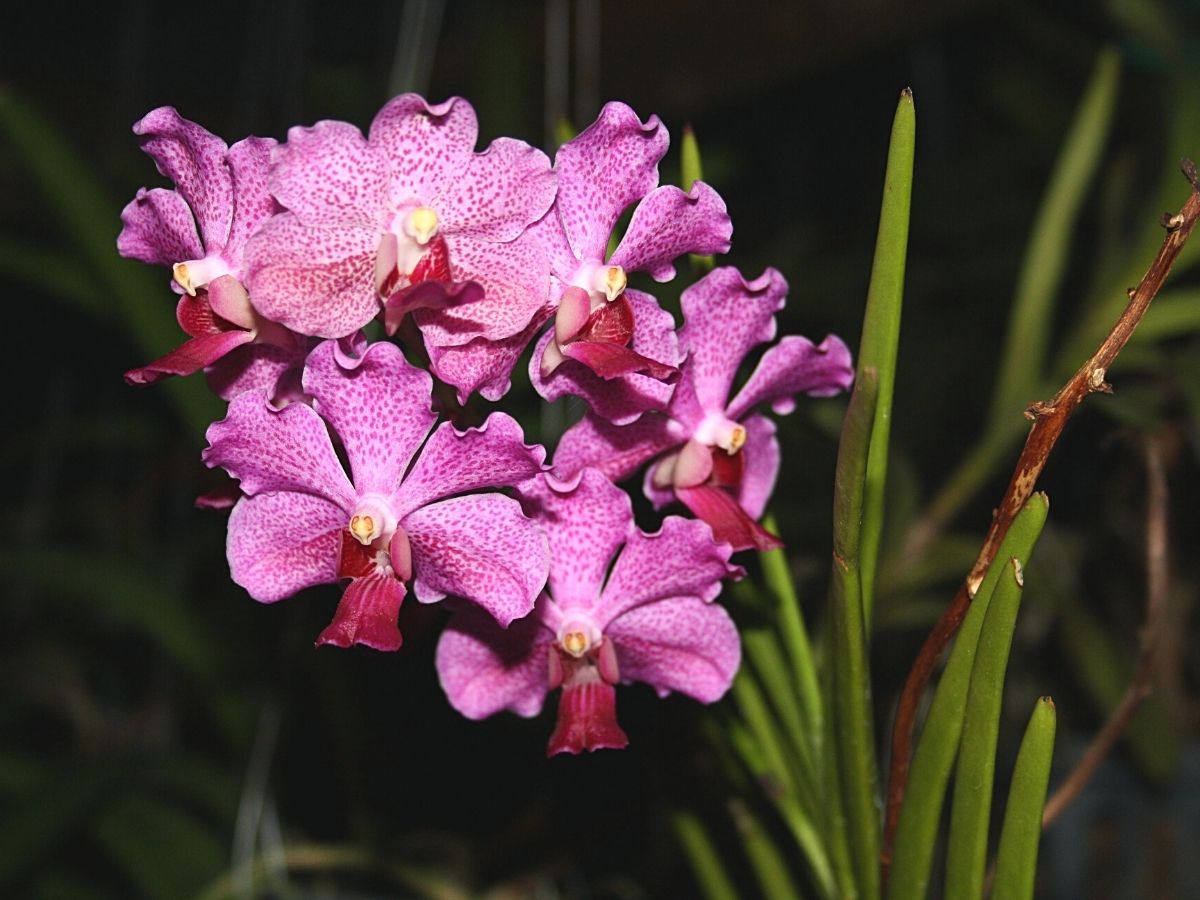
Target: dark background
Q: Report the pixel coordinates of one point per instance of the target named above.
(158, 724)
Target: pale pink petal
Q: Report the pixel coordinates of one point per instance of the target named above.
(616, 450)
(626, 397)
(483, 365)
(158, 228)
(492, 455)
(485, 669)
(795, 365)
(681, 559)
(586, 520)
(761, 451)
(249, 163)
(329, 176)
(669, 223)
(725, 317)
(680, 644)
(502, 191)
(194, 159)
(548, 232)
(316, 281)
(380, 408)
(516, 281)
(281, 543)
(609, 165)
(427, 146)
(481, 548)
(268, 451)
(367, 614)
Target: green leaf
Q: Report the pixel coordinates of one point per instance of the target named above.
(851, 709)
(564, 131)
(1172, 314)
(778, 577)
(710, 875)
(164, 851)
(966, 854)
(769, 867)
(51, 271)
(691, 172)
(1016, 860)
(1023, 359)
(880, 341)
(916, 831)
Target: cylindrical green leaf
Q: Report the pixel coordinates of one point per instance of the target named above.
(1016, 861)
(881, 329)
(706, 864)
(916, 832)
(966, 855)
(769, 867)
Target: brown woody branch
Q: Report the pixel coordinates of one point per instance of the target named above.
(1049, 419)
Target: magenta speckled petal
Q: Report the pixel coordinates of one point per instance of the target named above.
(190, 356)
(548, 232)
(367, 614)
(481, 548)
(585, 522)
(249, 163)
(281, 543)
(725, 317)
(194, 159)
(427, 146)
(624, 398)
(316, 281)
(516, 281)
(158, 228)
(617, 451)
(493, 455)
(329, 176)
(502, 191)
(270, 451)
(255, 367)
(679, 560)
(793, 366)
(485, 669)
(761, 466)
(609, 165)
(669, 223)
(681, 644)
(379, 409)
(482, 365)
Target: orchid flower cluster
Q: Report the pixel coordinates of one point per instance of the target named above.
(285, 256)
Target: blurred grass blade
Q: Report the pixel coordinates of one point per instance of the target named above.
(966, 854)
(691, 172)
(1171, 314)
(916, 832)
(762, 727)
(564, 131)
(881, 330)
(1016, 860)
(138, 293)
(52, 271)
(1023, 359)
(796, 639)
(767, 658)
(714, 881)
(769, 866)
(165, 851)
(851, 709)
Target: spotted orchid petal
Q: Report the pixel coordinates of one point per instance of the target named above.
(669, 223)
(794, 366)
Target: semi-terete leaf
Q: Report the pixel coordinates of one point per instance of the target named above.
(933, 759)
(703, 856)
(1016, 860)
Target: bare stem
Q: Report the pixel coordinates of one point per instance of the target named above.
(1157, 588)
(1049, 419)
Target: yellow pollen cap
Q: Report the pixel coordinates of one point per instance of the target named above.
(423, 224)
(737, 437)
(363, 528)
(575, 643)
(183, 278)
(614, 282)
